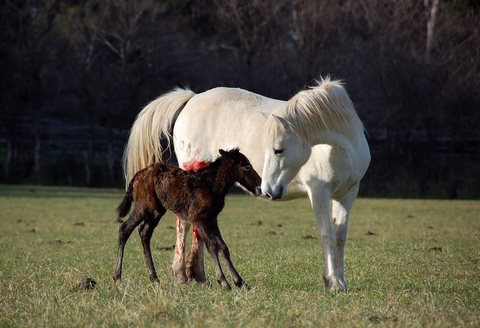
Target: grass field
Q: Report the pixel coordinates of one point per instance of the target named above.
(409, 263)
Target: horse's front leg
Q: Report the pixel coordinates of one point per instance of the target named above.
(178, 265)
(341, 211)
(195, 259)
(320, 200)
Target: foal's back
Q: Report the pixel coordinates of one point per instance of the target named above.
(168, 186)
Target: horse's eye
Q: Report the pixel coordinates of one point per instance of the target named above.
(277, 151)
(247, 168)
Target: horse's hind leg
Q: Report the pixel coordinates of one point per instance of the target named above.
(178, 265)
(145, 231)
(124, 233)
(195, 268)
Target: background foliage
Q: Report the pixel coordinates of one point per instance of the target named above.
(73, 75)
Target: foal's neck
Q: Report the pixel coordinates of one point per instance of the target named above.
(218, 174)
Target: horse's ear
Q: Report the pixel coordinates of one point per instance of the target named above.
(286, 124)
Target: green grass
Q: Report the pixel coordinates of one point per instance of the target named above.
(409, 263)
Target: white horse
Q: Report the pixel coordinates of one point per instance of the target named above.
(311, 145)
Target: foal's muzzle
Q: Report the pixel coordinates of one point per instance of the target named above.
(258, 191)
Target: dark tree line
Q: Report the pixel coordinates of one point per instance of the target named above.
(74, 74)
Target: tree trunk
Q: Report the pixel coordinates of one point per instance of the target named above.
(37, 152)
(110, 154)
(37, 156)
(12, 155)
(431, 8)
(88, 157)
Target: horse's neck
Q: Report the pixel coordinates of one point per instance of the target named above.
(334, 138)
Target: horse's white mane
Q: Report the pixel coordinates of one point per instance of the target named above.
(325, 106)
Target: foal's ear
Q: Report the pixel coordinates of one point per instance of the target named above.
(222, 152)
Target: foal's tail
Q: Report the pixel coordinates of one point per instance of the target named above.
(126, 203)
(153, 122)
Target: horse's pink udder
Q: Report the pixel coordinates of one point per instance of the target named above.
(194, 166)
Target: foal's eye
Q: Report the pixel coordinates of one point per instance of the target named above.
(277, 151)
(247, 168)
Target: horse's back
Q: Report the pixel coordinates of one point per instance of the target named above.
(221, 118)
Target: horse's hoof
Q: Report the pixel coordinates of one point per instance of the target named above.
(179, 275)
(200, 277)
(335, 285)
(180, 279)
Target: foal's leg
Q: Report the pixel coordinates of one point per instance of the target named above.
(178, 265)
(145, 230)
(195, 259)
(215, 245)
(124, 233)
(225, 255)
(341, 211)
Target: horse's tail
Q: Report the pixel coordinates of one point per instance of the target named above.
(154, 121)
(126, 203)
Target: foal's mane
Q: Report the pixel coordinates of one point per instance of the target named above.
(325, 106)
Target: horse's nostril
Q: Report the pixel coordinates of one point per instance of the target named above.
(258, 191)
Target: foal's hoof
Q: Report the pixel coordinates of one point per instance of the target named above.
(117, 280)
(205, 283)
(225, 285)
(154, 279)
(245, 286)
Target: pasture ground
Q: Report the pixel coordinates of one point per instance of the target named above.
(409, 263)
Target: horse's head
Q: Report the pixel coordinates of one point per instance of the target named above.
(285, 154)
(243, 171)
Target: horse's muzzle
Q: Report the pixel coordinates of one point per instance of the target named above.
(273, 196)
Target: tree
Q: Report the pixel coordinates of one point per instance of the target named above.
(27, 37)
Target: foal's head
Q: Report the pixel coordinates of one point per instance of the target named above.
(242, 171)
